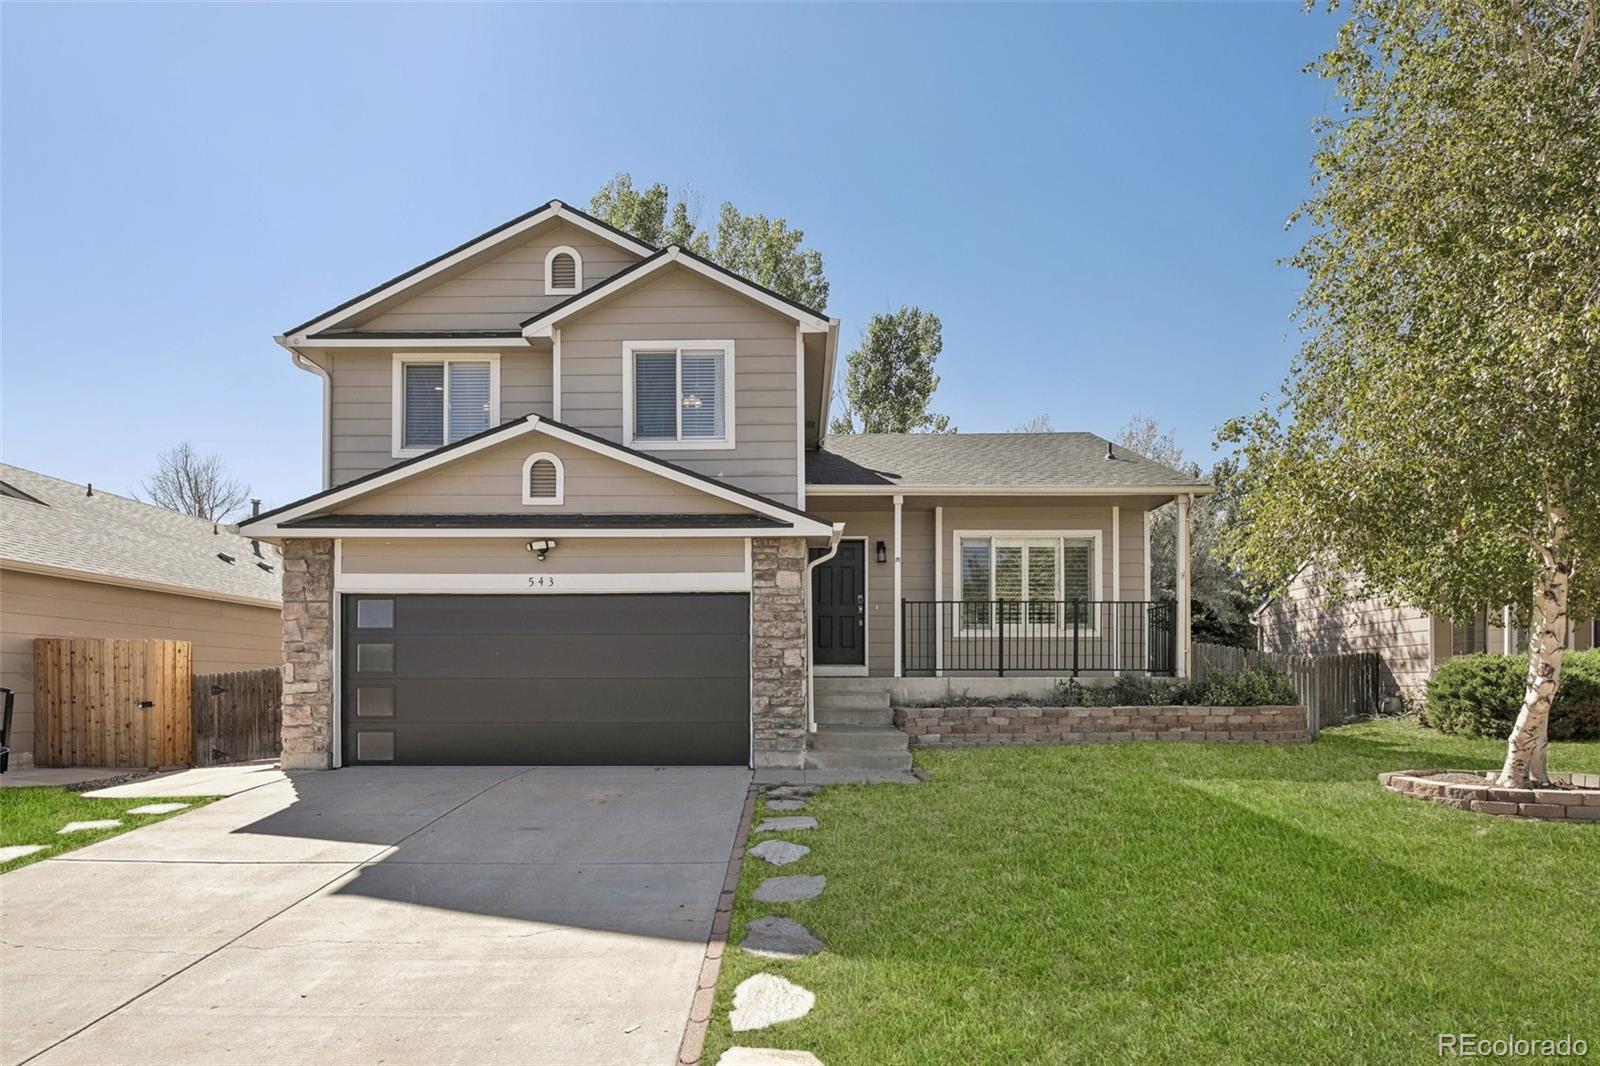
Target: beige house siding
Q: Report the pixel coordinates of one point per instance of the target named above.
(502, 290)
(873, 518)
(676, 304)
(362, 405)
(490, 482)
(574, 555)
(225, 636)
(1304, 621)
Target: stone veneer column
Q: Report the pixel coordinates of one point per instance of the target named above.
(778, 655)
(308, 636)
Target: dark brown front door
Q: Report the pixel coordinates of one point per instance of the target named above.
(839, 606)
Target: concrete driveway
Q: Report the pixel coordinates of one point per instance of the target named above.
(395, 915)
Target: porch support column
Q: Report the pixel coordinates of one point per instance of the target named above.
(938, 592)
(1116, 588)
(899, 606)
(1181, 652)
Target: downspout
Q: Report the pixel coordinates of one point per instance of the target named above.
(327, 406)
(811, 683)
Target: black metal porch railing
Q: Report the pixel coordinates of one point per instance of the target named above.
(1068, 637)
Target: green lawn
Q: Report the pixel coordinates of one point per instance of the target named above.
(32, 816)
(1182, 903)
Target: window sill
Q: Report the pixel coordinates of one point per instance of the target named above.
(680, 445)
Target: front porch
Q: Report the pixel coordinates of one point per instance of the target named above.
(1040, 586)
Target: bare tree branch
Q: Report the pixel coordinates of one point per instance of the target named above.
(194, 484)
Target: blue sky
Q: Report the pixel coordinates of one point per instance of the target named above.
(1091, 197)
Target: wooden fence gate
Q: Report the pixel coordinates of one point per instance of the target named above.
(104, 702)
(237, 716)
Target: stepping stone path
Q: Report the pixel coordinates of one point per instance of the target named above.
(157, 808)
(780, 852)
(790, 889)
(98, 823)
(17, 851)
(767, 999)
(786, 805)
(780, 938)
(791, 792)
(766, 1056)
(779, 825)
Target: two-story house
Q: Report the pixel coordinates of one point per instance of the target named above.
(579, 509)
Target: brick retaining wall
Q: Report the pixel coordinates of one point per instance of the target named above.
(986, 726)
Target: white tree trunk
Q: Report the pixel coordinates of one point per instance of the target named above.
(1525, 750)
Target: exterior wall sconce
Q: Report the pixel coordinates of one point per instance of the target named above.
(883, 552)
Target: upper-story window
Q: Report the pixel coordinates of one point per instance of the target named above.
(678, 394)
(439, 400)
(563, 271)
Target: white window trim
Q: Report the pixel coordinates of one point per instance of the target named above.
(561, 481)
(577, 274)
(1057, 535)
(629, 348)
(397, 394)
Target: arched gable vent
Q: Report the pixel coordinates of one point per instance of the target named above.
(563, 271)
(543, 479)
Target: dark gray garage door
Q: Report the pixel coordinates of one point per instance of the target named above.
(543, 680)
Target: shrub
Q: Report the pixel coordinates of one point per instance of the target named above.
(1254, 686)
(1481, 696)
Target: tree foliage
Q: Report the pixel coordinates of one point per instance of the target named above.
(890, 378)
(764, 250)
(1437, 431)
(193, 484)
(1220, 602)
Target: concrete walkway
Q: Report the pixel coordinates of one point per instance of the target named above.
(396, 915)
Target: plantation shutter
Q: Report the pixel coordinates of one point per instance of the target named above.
(975, 575)
(1077, 569)
(424, 405)
(655, 396)
(469, 400)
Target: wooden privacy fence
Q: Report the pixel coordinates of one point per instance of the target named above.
(1334, 688)
(104, 702)
(237, 716)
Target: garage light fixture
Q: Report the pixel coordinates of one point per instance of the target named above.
(541, 548)
(883, 552)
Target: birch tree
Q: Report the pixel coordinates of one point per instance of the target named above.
(1439, 430)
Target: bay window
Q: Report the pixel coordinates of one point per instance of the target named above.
(678, 394)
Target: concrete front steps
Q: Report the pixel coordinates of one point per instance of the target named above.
(855, 728)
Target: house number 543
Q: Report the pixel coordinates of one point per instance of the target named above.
(541, 582)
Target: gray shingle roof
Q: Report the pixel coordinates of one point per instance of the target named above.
(110, 536)
(985, 460)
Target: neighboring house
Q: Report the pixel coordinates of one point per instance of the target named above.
(578, 509)
(76, 561)
(1409, 642)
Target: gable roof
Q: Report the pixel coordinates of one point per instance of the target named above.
(476, 246)
(60, 529)
(285, 519)
(541, 324)
(996, 462)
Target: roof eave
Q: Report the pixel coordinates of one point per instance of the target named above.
(1008, 490)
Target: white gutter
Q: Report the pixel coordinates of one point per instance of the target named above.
(811, 680)
(1009, 490)
(327, 406)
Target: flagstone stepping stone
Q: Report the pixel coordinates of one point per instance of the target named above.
(779, 825)
(791, 791)
(98, 823)
(786, 805)
(790, 889)
(157, 808)
(766, 1056)
(780, 852)
(780, 938)
(17, 851)
(767, 999)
